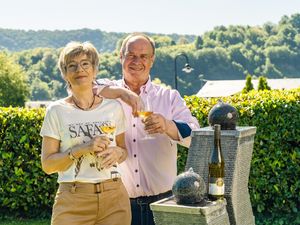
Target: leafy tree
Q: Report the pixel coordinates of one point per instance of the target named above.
(263, 84)
(232, 52)
(249, 85)
(256, 35)
(295, 21)
(198, 42)
(40, 90)
(269, 28)
(270, 70)
(182, 41)
(19, 40)
(238, 54)
(41, 67)
(162, 41)
(14, 89)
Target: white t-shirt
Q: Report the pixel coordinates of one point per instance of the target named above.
(72, 126)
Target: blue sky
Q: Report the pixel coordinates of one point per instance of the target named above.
(157, 16)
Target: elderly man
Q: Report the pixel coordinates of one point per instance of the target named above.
(149, 171)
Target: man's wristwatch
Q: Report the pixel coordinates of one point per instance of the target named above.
(71, 156)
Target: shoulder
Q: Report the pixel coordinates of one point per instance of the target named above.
(57, 105)
(112, 106)
(108, 82)
(54, 104)
(164, 91)
(112, 102)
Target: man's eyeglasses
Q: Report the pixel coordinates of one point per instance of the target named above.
(73, 66)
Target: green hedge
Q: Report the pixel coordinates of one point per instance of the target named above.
(274, 183)
(25, 190)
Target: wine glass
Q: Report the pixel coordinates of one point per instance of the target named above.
(146, 111)
(108, 128)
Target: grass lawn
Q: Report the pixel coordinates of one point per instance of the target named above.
(25, 222)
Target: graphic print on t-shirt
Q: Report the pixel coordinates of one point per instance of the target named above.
(87, 131)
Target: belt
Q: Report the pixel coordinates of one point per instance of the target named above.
(150, 199)
(96, 188)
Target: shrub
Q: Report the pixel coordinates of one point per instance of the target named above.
(26, 191)
(274, 184)
(249, 86)
(263, 84)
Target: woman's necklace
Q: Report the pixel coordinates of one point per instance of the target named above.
(73, 99)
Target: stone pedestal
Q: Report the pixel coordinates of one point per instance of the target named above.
(237, 148)
(167, 212)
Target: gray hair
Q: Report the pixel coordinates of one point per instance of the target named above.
(137, 34)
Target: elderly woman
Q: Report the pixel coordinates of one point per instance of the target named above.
(75, 146)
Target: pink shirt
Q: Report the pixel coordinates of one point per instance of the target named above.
(151, 165)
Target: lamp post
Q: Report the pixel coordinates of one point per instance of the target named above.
(187, 68)
(201, 79)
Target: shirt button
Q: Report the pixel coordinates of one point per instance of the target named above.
(133, 140)
(137, 185)
(136, 171)
(133, 125)
(134, 155)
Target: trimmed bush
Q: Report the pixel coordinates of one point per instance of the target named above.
(275, 167)
(26, 191)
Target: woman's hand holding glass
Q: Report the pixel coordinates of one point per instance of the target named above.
(98, 144)
(110, 156)
(95, 146)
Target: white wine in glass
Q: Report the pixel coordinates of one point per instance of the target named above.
(108, 128)
(145, 112)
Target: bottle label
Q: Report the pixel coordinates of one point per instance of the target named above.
(216, 186)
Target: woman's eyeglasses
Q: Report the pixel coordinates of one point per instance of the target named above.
(73, 66)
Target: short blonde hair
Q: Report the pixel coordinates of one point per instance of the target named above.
(74, 49)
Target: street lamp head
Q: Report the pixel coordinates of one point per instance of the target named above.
(187, 68)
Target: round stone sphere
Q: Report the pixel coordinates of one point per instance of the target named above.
(224, 114)
(189, 188)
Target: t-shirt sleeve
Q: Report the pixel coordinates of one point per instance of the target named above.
(50, 127)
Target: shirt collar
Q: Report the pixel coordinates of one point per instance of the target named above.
(144, 88)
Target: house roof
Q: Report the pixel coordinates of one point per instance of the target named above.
(222, 88)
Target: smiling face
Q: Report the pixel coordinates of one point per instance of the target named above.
(80, 72)
(137, 60)
(78, 64)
